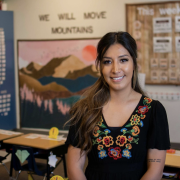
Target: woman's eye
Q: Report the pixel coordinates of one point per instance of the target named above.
(106, 62)
(124, 60)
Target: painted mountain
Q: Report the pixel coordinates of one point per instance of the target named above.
(52, 77)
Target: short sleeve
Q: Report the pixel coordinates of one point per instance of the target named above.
(158, 134)
(72, 137)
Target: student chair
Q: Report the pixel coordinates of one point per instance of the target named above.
(30, 164)
(2, 158)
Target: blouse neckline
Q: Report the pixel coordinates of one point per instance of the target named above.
(118, 127)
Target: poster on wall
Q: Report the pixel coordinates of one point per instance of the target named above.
(7, 73)
(156, 29)
(53, 74)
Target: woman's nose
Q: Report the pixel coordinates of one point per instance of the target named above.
(116, 68)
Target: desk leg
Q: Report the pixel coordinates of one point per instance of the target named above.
(64, 163)
(48, 170)
(11, 166)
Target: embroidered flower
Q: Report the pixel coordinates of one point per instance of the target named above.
(135, 119)
(123, 130)
(143, 116)
(99, 139)
(148, 100)
(114, 153)
(136, 130)
(108, 141)
(100, 147)
(126, 153)
(102, 154)
(95, 132)
(121, 140)
(141, 124)
(100, 122)
(130, 138)
(107, 131)
(143, 109)
(128, 146)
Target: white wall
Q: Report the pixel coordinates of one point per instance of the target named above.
(28, 26)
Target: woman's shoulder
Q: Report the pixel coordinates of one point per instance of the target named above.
(152, 101)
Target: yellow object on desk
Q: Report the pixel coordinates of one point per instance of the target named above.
(53, 132)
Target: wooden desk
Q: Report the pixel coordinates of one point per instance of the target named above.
(173, 159)
(38, 142)
(4, 134)
(8, 134)
(57, 147)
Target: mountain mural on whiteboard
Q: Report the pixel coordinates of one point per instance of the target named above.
(52, 77)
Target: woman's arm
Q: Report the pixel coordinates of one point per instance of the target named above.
(75, 164)
(155, 164)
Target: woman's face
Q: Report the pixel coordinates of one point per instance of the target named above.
(117, 67)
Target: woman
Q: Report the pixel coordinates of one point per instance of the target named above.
(123, 132)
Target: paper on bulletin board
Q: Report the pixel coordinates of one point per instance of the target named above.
(162, 25)
(177, 40)
(177, 23)
(162, 44)
(163, 75)
(154, 63)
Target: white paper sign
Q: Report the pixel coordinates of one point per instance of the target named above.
(163, 76)
(52, 160)
(162, 44)
(162, 25)
(177, 23)
(59, 138)
(6, 132)
(154, 63)
(177, 44)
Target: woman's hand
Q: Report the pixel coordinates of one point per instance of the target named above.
(155, 164)
(75, 164)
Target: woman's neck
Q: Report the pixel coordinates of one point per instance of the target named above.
(121, 96)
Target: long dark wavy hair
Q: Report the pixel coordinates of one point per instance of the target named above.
(86, 113)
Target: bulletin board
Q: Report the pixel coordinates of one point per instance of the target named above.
(156, 29)
(7, 72)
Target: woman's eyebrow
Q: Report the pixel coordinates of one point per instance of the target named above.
(107, 57)
(123, 55)
(118, 56)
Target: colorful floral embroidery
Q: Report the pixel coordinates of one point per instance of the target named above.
(148, 100)
(130, 139)
(141, 124)
(143, 109)
(135, 119)
(136, 130)
(99, 139)
(129, 134)
(100, 147)
(100, 122)
(107, 131)
(114, 152)
(102, 154)
(143, 116)
(126, 153)
(108, 141)
(123, 130)
(128, 146)
(95, 133)
(121, 140)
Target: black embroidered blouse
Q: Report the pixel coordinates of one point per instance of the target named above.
(120, 153)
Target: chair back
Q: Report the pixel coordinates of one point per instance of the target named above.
(31, 163)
